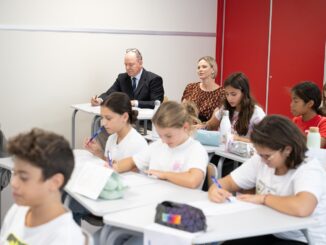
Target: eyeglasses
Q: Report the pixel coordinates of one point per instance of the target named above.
(136, 51)
(268, 157)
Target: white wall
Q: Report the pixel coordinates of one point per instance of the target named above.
(57, 53)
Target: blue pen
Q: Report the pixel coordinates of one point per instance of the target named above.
(218, 185)
(95, 135)
(110, 159)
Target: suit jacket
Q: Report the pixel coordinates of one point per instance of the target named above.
(149, 89)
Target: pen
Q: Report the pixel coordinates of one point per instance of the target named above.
(95, 135)
(110, 159)
(218, 185)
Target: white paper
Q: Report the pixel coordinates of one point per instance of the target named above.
(157, 234)
(89, 179)
(211, 208)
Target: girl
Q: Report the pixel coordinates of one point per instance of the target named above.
(306, 99)
(243, 111)
(176, 157)
(284, 179)
(206, 94)
(124, 141)
(117, 117)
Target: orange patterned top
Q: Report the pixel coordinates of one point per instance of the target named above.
(206, 101)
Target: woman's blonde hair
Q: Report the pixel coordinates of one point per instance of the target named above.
(172, 114)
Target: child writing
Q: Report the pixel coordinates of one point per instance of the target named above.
(43, 163)
(306, 99)
(176, 157)
(243, 111)
(283, 178)
(124, 141)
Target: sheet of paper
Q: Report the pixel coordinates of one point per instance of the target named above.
(157, 234)
(210, 208)
(133, 180)
(90, 179)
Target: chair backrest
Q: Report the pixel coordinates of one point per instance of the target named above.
(319, 154)
(211, 171)
(88, 237)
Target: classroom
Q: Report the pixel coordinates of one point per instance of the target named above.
(57, 55)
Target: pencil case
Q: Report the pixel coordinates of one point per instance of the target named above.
(208, 137)
(180, 216)
(114, 188)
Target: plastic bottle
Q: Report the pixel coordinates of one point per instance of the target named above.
(225, 128)
(313, 138)
(154, 132)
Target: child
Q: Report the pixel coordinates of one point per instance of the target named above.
(176, 157)
(124, 141)
(283, 178)
(117, 117)
(306, 99)
(243, 111)
(43, 163)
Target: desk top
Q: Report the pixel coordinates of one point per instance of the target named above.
(143, 113)
(220, 151)
(248, 223)
(6, 163)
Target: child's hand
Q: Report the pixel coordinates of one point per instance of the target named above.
(218, 195)
(257, 199)
(93, 147)
(156, 173)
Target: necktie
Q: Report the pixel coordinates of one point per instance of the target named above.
(133, 84)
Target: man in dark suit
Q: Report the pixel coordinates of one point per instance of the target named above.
(143, 87)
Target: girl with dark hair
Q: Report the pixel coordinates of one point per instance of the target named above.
(284, 179)
(243, 111)
(117, 117)
(305, 107)
(124, 141)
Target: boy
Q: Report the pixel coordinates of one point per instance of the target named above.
(43, 163)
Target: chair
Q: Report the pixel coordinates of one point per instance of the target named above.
(88, 237)
(211, 171)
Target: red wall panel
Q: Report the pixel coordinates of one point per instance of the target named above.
(297, 48)
(246, 42)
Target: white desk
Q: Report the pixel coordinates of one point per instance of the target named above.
(143, 114)
(220, 151)
(254, 222)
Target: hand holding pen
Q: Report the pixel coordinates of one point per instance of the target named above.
(218, 194)
(94, 135)
(96, 101)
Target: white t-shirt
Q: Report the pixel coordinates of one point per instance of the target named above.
(131, 144)
(309, 177)
(256, 117)
(62, 230)
(159, 156)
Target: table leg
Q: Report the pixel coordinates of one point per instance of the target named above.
(73, 128)
(145, 127)
(220, 167)
(95, 124)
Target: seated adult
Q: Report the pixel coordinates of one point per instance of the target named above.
(143, 87)
(206, 94)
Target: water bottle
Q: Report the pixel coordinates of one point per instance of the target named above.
(225, 128)
(313, 138)
(154, 133)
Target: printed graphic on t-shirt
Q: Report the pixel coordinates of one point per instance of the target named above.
(263, 188)
(177, 166)
(13, 240)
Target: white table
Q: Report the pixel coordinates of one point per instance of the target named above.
(143, 114)
(5, 163)
(254, 222)
(220, 151)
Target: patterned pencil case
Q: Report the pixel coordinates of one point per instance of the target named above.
(180, 216)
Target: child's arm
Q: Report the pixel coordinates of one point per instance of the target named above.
(94, 148)
(190, 179)
(240, 138)
(322, 142)
(124, 165)
(213, 123)
(301, 204)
